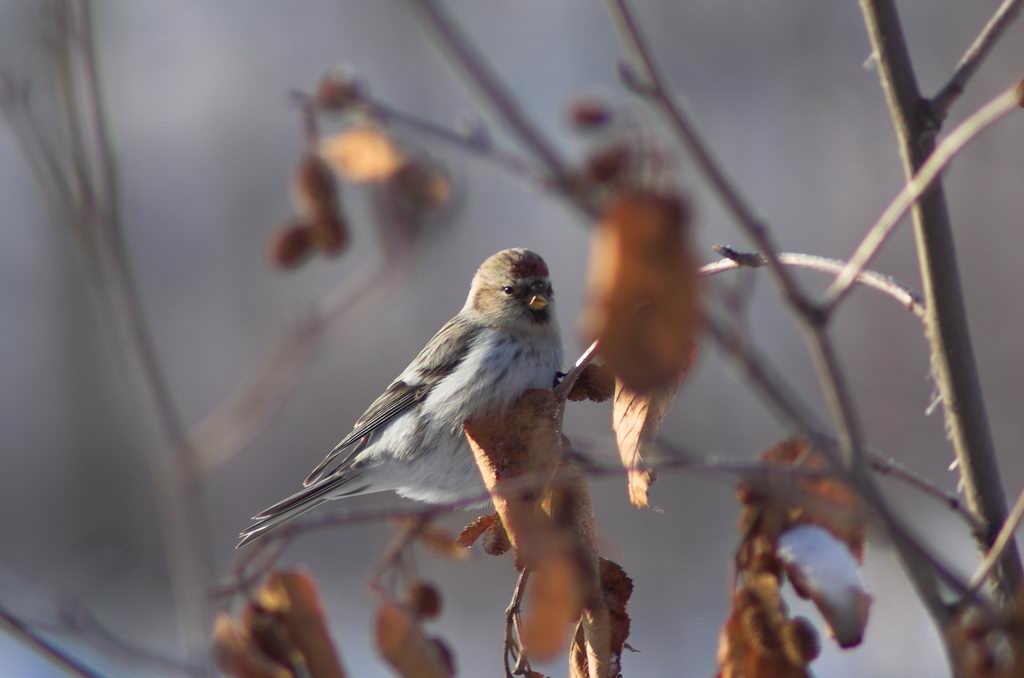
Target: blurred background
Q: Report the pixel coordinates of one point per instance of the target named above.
(205, 142)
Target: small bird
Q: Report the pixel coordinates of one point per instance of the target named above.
(504, 341)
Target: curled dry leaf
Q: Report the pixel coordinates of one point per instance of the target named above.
(643, 297)
(517, 455)
(636, 418)
(470, 533)
(405, 648)
(362, 153)
(758, 640)
(594, 383)
(822, 568)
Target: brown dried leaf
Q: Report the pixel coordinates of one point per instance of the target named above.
(362, 153)
(236, 654)
(424, 599)
(523, 445)
(470, 533)
(594, 383)
(636, 419)
(405, 648)
(751, 644)
(643, 298)
(442, 543)
(293, 597)
(553, 603)
(837, 508)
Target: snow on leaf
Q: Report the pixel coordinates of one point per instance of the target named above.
(822, 568)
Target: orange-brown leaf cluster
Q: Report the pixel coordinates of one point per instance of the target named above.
(282, 633)
(636, 418)
(814, 537)
(643, 296)
(551, 527)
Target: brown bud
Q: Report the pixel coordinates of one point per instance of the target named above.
(588, 113)
(291, 244)
(424, 599)
(496, 541)
(607, 164)
(337, 91)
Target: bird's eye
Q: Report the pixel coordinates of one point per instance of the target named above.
(507, 290)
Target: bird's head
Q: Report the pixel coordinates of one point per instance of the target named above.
(511, 289)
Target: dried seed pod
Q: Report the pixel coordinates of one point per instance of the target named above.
(425, 599)
(291, 244)
(338, 90)
(496, 541)
(314, 191)
(757, 623)
(587, 113)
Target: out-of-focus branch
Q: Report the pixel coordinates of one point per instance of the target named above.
(913, 191)
(493, 93)
(972, 58)
(953, 361)
(58, 657)
(645, 78)
(906, 298)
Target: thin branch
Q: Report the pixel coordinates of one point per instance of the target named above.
(952, 356)
(999, 544)
(973, 57)
(55, 655)
(915, 188)
(905, 297)
(504, 105)
(885, 465)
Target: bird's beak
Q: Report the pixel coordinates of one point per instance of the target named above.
(538, 302)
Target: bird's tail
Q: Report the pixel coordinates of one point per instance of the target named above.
(294, 506)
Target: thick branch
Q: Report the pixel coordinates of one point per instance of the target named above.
(952, 354)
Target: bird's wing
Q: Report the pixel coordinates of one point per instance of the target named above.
(442, 354)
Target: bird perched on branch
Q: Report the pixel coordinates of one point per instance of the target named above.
(504, 341)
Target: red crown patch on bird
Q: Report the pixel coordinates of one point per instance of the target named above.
(528, 266)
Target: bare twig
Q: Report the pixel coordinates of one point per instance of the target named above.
(58, 657)
(886, 465)
(871, 279)
(999, 544)
(494, 94)
(914, 189)
(953, 361)
(513, 646)
(973, 57)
